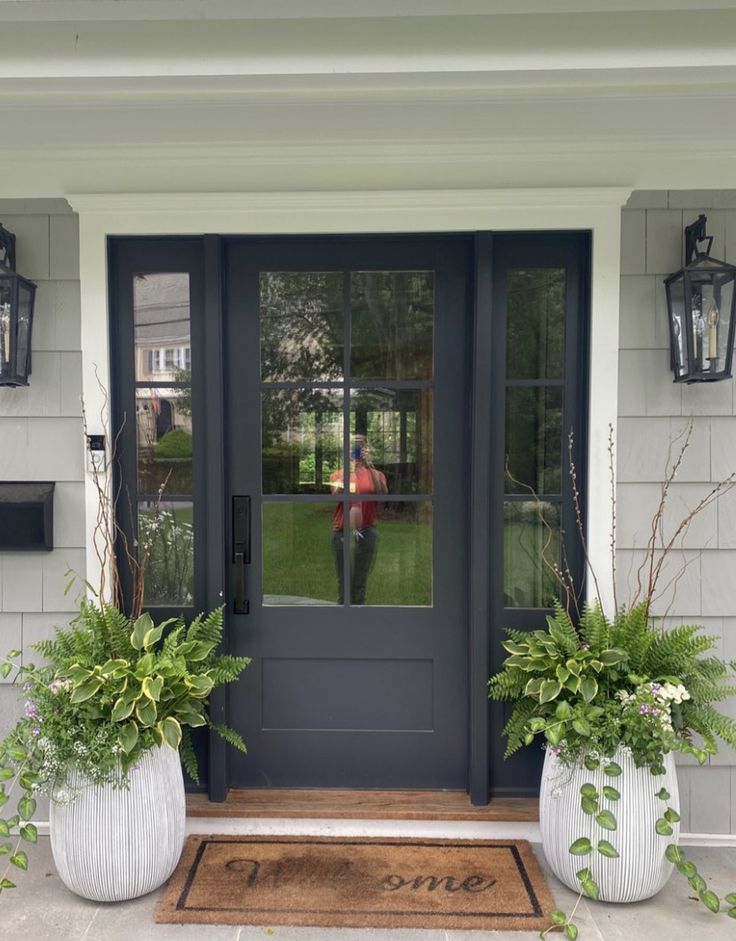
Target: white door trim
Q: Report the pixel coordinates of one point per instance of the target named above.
(597, 210)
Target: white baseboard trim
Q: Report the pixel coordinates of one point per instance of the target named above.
(420, 829)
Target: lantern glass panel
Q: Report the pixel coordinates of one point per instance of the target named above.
(23, 349)
(6, 346)
(712, 302)
(676, 292)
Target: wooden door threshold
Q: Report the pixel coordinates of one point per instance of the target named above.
(362, 805)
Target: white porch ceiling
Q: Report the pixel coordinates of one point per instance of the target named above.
(147, 95)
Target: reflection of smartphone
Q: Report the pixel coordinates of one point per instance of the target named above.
(357, 452)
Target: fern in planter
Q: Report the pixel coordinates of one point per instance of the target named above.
(619, 682)
(113, 688)
(590, 685)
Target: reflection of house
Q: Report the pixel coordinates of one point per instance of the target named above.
(162, 342)
(495, 132)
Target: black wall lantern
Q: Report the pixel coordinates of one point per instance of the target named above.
(700, 305)
(17, 296)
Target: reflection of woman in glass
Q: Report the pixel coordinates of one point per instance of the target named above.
(364, 478)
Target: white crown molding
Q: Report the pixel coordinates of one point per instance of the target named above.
(190, 204)
(144, 10)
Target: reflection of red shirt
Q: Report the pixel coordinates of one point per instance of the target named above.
(362, 480)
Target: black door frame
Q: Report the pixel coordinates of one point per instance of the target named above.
(202, 257)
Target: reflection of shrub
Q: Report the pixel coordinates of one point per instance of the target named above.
(174, 444)
(170, 545)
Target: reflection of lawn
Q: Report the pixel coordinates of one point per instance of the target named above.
(527, 582)
(298, 557)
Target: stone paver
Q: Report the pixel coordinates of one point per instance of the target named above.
(42, 909)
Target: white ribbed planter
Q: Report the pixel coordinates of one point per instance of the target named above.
(641, 869)
(111, 844)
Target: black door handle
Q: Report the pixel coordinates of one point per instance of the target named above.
(241, 551)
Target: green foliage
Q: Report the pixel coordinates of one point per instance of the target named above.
(174, 445)
(590, 687)
(112, 689)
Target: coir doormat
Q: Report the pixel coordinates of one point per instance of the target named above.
(353, 882)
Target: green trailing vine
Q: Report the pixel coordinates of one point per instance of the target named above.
(113, 687)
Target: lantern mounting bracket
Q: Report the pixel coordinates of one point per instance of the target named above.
(694, 233)
(7, 249)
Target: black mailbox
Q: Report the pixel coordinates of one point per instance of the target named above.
(26, 516)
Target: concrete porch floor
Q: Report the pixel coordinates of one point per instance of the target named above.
(42, 909)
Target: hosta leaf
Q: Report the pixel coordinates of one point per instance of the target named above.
(145, 665)
(152, 636)
(562, 674)
(145, 711)
(29, 833)
(171, 731)
(606, 820)
(128, 737)
(708, 898)
(613, 656)
(612, 769)
(563, 710)
(663, 828)
(581, 726)
(581, 847)
(140, 629)
(122, 709)
(588, 688)
(151, 687)
(550, 690)
(671, 816)
(21, 860)
(611, 793)
(114, 666)
(607, 849)
(86, 690)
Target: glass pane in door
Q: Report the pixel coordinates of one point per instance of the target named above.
(298, 554)
(535, 339)
(392, 324)
(301, 325)
(390, 554)
(301, 439)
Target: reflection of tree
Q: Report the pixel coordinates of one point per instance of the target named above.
(392, 324)
(301, 325)
(535, 341)
(184, 395)
(535, 329)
